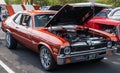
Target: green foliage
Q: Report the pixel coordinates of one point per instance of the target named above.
(114, 3)
(45, 2)
(62, 2)
(102, 1)
(14, 1)
(56, 2)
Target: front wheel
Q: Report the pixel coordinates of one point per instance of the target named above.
(46, 59)
(10, 41)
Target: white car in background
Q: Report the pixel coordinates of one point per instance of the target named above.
(115, 14)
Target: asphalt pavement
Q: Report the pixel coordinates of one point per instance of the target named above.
(2, 34)
(23, 60)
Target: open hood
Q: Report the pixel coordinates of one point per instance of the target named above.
(77, 13)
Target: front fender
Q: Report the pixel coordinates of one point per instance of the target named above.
(45, 44)
(104, 34)
(51, 48)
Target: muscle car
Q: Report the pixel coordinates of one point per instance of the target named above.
(57, 37)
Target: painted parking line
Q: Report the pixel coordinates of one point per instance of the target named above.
(6, 67)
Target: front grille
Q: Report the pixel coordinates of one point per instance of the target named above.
(88, 47)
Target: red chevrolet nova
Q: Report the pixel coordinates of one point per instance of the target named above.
(57, 37)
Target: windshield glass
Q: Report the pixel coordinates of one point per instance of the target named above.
(102, 14)
(42, 19)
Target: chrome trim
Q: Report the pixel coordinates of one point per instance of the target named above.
(84, 53)
(61, 58)
(104, 48)
(29, 40)
(68, 49)
(59, 51)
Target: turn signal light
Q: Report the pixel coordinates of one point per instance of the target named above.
(68, 60)
(110, 52)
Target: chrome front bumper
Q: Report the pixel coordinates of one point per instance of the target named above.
(84, 55)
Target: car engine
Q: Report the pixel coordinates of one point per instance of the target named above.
(110, 29)
(73, 35)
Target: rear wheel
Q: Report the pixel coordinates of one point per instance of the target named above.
(10, 41)
(46, 59)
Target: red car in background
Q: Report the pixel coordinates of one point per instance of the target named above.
(57, 37)
(102, 22)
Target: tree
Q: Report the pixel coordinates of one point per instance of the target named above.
(102, 1)
(45, 2)
(14, 1)
(63, 2)
(71, 1)
(114, 3)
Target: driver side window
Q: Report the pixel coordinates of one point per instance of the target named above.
(17, 19)
(25, 20)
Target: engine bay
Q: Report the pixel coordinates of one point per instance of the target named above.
(74, 35)
(110, 29)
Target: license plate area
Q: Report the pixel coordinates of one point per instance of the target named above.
(80, 58)
(92, 56)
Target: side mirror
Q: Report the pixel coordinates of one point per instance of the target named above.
(4, 16)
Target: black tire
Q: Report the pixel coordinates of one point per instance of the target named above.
(45, 57)
(11, 43)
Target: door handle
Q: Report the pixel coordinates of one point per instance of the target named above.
(17, 27)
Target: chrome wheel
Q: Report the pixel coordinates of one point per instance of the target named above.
(11, 43)
(45, 57)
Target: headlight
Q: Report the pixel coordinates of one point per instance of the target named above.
(67, 50)
(109, 44)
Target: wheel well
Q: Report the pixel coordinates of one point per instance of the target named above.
(39, 46)
(7, 31)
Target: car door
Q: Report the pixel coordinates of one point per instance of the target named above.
(16, 23)
(24, 29)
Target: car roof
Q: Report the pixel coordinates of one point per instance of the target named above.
(34, 12)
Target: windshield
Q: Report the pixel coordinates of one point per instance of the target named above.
(42, 19)
(102, 14)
